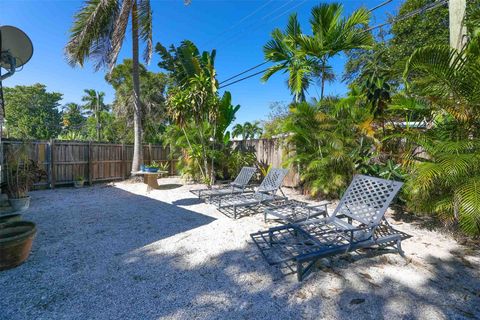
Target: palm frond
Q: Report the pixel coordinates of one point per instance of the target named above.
(145, 25)
(91, 32)
(119, 30)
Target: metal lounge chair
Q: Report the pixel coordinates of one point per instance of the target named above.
(292, 211)
(357, 222)
(239, 185)
(267, 191)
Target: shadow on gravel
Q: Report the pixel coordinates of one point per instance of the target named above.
(94, 262)
(169, 186)
(187, 202)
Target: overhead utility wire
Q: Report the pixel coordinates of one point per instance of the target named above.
(406, 16)
(238, 22)
(423, 9)
(265, 62)
(244, 78)
(225, 43)
(243, 72)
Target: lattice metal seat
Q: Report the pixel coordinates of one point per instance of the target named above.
(266, 192)
(291, 211)
(357, 222)
(238, 186)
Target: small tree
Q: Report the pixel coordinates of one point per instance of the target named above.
(32, 112)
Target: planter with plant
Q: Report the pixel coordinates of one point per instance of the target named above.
(15, 243)
(79, 182)
(153, 167)
(164, 167)
(8, 218)
(20, 173)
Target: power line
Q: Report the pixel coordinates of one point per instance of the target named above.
(406, 16)
(380, 5)
(277, 9)
(423, 9)
(233, 40)
(265, 62)
(244, 78)
(243, 72)
(239, 22)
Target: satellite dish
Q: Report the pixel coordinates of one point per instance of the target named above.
(16, 48)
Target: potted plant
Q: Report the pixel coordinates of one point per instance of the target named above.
(164, 167)
(15, 243)
(20, 173)
(8, 218)
(153, 167)
(79, 182)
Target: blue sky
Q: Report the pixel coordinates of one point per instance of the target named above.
(237, 29)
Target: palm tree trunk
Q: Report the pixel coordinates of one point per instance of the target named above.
(97, 117)
(137, 105)
(322, 89)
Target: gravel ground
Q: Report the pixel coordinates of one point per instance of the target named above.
(115, 252)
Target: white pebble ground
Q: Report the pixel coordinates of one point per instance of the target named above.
(115, 252)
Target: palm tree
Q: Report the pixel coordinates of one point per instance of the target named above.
(238, 130)
(73, 118)
(98, 32)
(94, 103)
(248, 130)
(305, 57)
(253, 130)
(447, 182)
(333, 34)
(284, 50)
(193, 103)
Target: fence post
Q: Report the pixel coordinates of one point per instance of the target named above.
(90, 163)
(52, 163)
(124, 164)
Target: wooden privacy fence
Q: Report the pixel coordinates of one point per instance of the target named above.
(64, 161)
(272, 152)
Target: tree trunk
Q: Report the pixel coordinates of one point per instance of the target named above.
(97, 116)
(322, 89)
(137, 104)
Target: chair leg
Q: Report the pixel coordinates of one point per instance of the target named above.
(235, 212)
(299, 271)
(399, 248)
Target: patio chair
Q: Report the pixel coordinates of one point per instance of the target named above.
(357, 222)
(267, 191)
(292, 211)
(239, 185)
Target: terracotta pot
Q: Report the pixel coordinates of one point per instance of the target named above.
(15, 243)
(20, 204)
(11, 217)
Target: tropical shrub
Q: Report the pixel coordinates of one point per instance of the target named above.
(446, 180)
(329, 146)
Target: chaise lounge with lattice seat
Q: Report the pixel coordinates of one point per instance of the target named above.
(238, 186)
(266, 192)
(357, 222)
